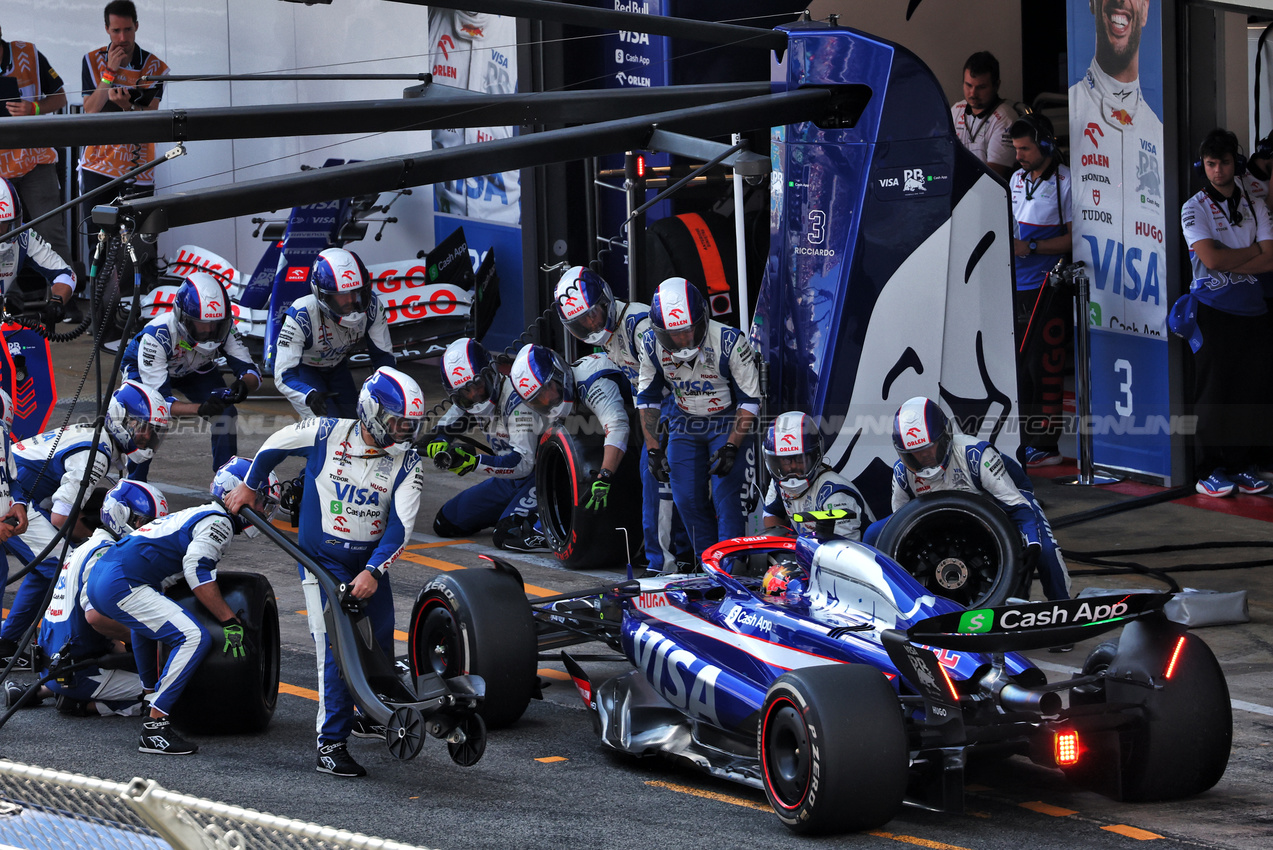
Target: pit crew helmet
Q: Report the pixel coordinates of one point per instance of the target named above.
(922, 435)
(544, 381)
(391, 408)
(793, 452)
(131, 504)
(469, 377)
(784, 577)
(138, 419)
(342, 286)
(586, 306)
(678, 316)
(234, 473)
(203, 313)
(10, 207)
(7, 414)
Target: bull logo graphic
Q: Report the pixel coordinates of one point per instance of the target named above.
(1093, 130)
(1148, 179)
(1122, 116)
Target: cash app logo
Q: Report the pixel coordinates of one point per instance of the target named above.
(336, 507)
(973, 622)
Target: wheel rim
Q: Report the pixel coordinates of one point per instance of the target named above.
(405, 733)
(439, 642)
(786, 759)
(955, 555)
(469, 752)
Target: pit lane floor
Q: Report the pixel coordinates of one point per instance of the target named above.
(546, 783)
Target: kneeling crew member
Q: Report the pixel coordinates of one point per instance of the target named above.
(802, 483)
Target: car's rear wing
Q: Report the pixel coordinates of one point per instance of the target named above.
(1014, 628)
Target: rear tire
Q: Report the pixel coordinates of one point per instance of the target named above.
(833, 749)
(477, 621)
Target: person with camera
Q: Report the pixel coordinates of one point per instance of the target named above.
(178, 352)
(1042, 202)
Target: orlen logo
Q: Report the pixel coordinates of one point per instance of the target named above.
(1099, 160)
(1093, 130)
(4, 209)
(341, 524)
(444, 43)
(676, 318)
(572, 306)
(416, 404)
(788, 444)
(213, 310)
(296, 274)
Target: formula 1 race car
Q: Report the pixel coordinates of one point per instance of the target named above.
(852, 690)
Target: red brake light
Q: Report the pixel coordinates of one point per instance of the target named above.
(1175, 657)
(954, 694)
(1066, 748)
(640, 163)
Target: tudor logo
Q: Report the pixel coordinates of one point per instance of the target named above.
(1096, 197)
(1093, 130)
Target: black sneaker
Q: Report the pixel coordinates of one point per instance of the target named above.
(73, 707)
(525, 539)
(7, 649)
(365, 727)
(336, 760)
(157, 737)
(13, 692)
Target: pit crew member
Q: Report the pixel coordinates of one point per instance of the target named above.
(127, 583)
(591, 314)
(13, 503)
(715, 382)
(362, 489)
(178, 351)
(50, 468)
(320, 330)
(982, 118)
(29, 248)
(505, 497)
(800, 482)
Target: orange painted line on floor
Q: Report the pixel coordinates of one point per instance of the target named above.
(551, 759)
(559, 675)
(447, 566)
(918, 842)
(437, 544)
(284, 688)
(1132, 832)
(1047, 809)
(711, 795)
(399, 634)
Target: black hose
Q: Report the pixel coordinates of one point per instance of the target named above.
(1120, 507)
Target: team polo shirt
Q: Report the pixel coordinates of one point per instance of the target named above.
(986, 135)
(1041, 210)
(1230, 292)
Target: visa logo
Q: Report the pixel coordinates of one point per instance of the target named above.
(677, 674)
(694, 386)
(1126, 271)
(356, 495)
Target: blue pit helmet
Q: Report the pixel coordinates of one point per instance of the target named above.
(469, 377)
(342, 286)
(131, 504)
(793, 452)
(678, 317)
(585, 306)
(922, 436)
(234, 473)
(391, 409)
(138, 419)
(204, 319)
(544, 381)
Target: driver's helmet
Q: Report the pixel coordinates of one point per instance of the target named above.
(138, 419)
(468, 377)
(234, 473)
(678, 317)
(203, 313)
(342, 286)
(793, 452)
(131, 504)
(922, 435)
(585, 305)
(785, 577)
(391, 408)
(10, 207)
(544, 380)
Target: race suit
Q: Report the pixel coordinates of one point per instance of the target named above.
(512, 433)
(477, 52)
(11, 492)
(50, 468)
(127, 584)
(31, 249)
(158, 358)
(706, 392)
(828, 491)
(977, 467)
(313, 355)
(358, 507)
(602, 389)
(665, 534)
(66, 634)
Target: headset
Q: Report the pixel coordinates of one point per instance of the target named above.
(1228, 139)
(1040, 130)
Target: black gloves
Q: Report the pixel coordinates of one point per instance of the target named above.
(238, 392)
(54, 310)
(214, 406)
(656, 459)
(463, 461)
(236, 642)
(317, 402)
(722, 462)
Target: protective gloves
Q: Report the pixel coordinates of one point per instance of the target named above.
(237, 393)
(236, 642)
(722, 462)
(54, 310)
(598, 495)
(214, 406)
(656, 459)
(317, 402)
(462, 460)
(438, 450)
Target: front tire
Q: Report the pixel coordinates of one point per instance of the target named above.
(833, 749)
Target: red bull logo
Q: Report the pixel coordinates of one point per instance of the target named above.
(1122, 116)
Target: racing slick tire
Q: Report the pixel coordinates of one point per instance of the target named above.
(1181, 747)
(226, 695)
(1098, 661)
(833, 749)
(477, 621)
(566, 463)
(957, 545)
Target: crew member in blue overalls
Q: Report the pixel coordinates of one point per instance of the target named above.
(127, 585)
(50, 467)
(801, 482)
(321, 330)
(932, 459)
(590, 312)
(712, 372)
(362, 490)
(552, 388)
(29, 248)
(505, 498)
(179, 350)
(71, 632)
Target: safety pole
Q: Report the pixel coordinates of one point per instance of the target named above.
(1082, 381)
(740, 246)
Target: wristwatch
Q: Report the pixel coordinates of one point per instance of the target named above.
(1034, 246)
(604, 474)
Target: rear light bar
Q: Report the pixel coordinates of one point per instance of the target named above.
(1175, 657)
(1066, 748)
